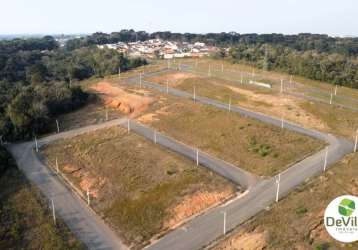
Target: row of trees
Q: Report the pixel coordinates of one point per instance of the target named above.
(329, 67)
(318, 57)
(300, 42)
(37, 81)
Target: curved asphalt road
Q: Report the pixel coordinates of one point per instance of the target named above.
(201, 230)
(84, 223)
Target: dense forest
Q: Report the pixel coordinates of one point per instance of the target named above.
(334, 68)
(318, 57)
(37, 81)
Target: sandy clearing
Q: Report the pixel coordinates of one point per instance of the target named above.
(116, 97)
(175, 78)
(246, 241)
(288, 107)
(151, 117)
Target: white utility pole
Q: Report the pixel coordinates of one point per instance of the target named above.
(197, 157)
(230, 104)
(335, 90)
(194, 94)
(224, 225)
(57, 169)
(282, 122)
(36, 145)
(167, 86)
(140, 80)
(119, 72)
(330, 100)
(53, 211)
(356, 142)
(128, 126)
(281, 86)
(325, 161)
(155, 137)
(106, 114)
(88, 197)
(278, 179)
(242, 79)
(58, 126)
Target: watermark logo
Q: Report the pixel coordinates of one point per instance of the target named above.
(341, 218)
(346, 207)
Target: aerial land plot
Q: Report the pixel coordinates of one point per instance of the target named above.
(141, 189)
(315, 115)
(257, 147)
(295, 84)
(299, 215)
(93, 112)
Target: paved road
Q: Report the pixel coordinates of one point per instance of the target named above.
(201, 230)
(204, 229)
(85, 224)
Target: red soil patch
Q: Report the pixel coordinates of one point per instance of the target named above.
(117, 98)
(194, 204)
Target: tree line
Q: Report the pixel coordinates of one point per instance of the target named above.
(315, 56)
(300, 42)
(37, 81)
(334, 68)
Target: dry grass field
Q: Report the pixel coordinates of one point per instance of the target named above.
(315, 115)
(140, 188)
(245, 142)
(26, 220)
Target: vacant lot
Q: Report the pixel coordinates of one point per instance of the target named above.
(140, 188)
(300, 215)
(92, 113)
(25, 219)
(252, 145)
(316, 115)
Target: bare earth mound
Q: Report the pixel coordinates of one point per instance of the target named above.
(116, 97)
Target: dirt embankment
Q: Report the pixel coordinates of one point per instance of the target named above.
(194, 204)
(115, 97)
(255, 240)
